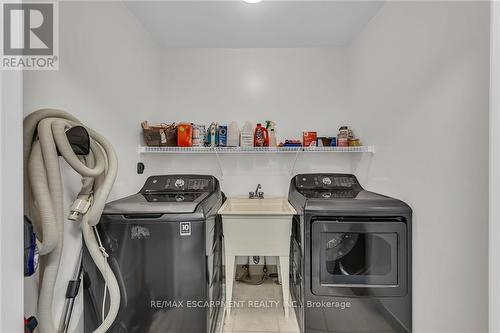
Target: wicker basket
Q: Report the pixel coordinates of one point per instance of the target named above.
(162, 135)
(325, 141)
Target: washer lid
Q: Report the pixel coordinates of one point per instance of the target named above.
(159, 203)
(169, 194)
(180, 183)
(172, 196)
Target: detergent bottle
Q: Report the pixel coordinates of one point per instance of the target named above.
(233, 135)
(260, 137)
(184, 135)
(222, 140)
(271, 129)
(246, 135)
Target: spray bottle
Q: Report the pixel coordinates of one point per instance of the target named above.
(271, 128)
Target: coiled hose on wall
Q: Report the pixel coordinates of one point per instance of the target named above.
(44, 139)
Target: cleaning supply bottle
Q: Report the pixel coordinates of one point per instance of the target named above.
(271, 129)
(273, 142)
(233, 135)
(222, 140)
(212, 135)
(246, 135)
(184, 135)
(260, 136)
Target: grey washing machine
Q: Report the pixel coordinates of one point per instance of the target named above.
(350, 257)
(166, 248)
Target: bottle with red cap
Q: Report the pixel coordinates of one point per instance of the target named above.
(260, 136)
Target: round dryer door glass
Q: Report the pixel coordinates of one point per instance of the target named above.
(339, 245)
(359, 258)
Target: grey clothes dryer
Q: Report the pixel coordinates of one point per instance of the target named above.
(165, 247)
(350, 257)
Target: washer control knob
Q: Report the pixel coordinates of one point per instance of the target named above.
(179, 183)
(327, 181)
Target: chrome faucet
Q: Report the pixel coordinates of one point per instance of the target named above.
(257, 194)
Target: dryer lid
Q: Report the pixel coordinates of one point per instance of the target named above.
(336, 193)
(327, 186)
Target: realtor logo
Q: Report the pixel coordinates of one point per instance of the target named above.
(29, 36)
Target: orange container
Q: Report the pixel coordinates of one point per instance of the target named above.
(184, 135)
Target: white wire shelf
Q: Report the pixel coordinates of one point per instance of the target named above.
(251, 150)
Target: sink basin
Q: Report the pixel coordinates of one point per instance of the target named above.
(268, 206)
(257, 226)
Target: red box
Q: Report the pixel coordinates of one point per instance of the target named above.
(309, 139)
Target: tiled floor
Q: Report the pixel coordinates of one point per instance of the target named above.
(259, 309)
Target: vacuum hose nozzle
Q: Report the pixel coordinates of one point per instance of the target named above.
(80, 207)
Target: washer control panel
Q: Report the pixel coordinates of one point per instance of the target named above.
(179, 183)
(326, 181)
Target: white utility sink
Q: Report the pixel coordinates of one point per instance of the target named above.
(257, 227)
(268, 206)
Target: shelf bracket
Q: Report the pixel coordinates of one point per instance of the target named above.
(292, 169)
(219, 162)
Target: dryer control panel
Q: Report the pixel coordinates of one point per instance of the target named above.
(179, 183)
(326, 181)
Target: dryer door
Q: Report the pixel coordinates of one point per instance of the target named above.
(359, 258)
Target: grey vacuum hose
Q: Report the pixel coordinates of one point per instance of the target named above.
(43, 201)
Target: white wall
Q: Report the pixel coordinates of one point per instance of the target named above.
(299, 89)
(420, 75)
(11, 202)
(494, 181)
(108, 78)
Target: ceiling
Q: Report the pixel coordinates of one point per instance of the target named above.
(236, 24)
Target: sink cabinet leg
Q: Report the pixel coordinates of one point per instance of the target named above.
(230, 267)
(279, 272)
(285, 278)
